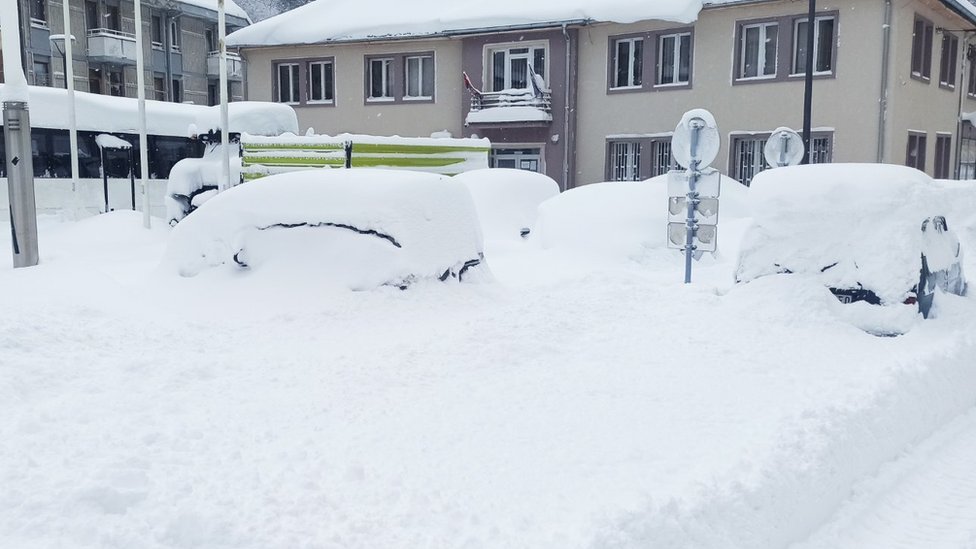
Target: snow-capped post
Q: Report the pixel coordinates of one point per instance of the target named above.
(143, 138)
(17, 141)
(223, 182)
(693, 192)
(69, 81)
(784, 148)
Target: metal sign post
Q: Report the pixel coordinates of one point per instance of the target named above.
(20, 183)
(694, 145)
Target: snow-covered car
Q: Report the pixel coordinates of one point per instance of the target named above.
(357, 229)
(507, 200)
(870, 233)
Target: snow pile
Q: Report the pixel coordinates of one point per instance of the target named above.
(507, 200)
(317, 22)
(230, 7)
(102, 113)
(354, 228)
(191, 177)
(626, 220)
(847, 224)
(109, 141)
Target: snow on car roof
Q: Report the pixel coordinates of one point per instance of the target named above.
(319, 21)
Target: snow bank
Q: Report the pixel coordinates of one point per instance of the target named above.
(190, 176)
(101, 113)
(624, 219)
(507, 200)
(845, 223)
(317, 22)
(354, 228)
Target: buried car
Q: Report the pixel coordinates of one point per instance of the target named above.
(870, 233)
(358, 229)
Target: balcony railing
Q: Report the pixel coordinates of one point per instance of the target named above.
(111, 46)
(235, 67)
(529, 105)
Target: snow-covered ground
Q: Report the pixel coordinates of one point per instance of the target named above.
(579, 400)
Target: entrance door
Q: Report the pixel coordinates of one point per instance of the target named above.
(529, 159)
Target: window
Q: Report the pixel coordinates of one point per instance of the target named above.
(971, 86)
(94, 81)
(210, 37)
(820, 150)
(922, 48)
(156, 32)
(758, 50)
(420, 77)
(213, 94)
(947, 63)
(159, 88)
(943, 144)
(287, 83)
(823, 45)
(174, 34)
(674, 59)
(628, 62)
(381, 79)
(625, 160)
(42, 73)
(967, 151)
(116, 83)
(512, 68)
(177, 90)
(747, 158)
(38, 11)
(529, 159)
(113, 20)
(91, 15)
(661, 159)
(321, 82)
(915, 153)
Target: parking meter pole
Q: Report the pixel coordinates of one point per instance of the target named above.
(20, 183)
(785, 140)
(692, 197)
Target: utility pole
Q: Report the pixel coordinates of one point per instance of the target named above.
(143, 138)
(808, 81)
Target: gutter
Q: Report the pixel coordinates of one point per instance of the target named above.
(566, 114)
(969, 14)
(883, 97)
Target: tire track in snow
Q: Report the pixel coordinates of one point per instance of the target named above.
(924, 500)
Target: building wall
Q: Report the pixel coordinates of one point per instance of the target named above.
(350, 112)
(847, 103)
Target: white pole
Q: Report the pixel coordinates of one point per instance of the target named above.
(224, 183)
(69, 79)
(143, 140)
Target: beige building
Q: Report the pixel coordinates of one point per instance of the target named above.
(597, 101)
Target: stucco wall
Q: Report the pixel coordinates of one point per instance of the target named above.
(351, 113)
(846, 103)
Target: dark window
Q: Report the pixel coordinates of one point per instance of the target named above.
(174, 34)
(288, 83)
(177, 90)
(213, 94)
(164, 152)
(758, 49)
(381, 79)
(661, 158)
(419, 74)
(156, 31)
(628, 62)
(91, 15)
(512, 67)
(94, 80)
(967, 151)
(112, 19)
(38, 11)
(159, 88)
(947, 62)
(116, 83)
(820, 152)
(747, 158)
(823, 45)
(971, 55)
(209, 36)
(42, 73)
(625, 160)
(674, 59)
(915, 153)
(943, 148)
(321, 81)
(922, 48)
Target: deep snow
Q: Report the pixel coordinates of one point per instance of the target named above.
(580, 400)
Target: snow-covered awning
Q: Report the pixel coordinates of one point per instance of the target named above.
(346, 20)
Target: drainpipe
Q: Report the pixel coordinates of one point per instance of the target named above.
(962, 83)
(883, 98)
(566, 91)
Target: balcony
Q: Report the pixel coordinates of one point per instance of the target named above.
(530, 106)
(111, 46)
(235, 67)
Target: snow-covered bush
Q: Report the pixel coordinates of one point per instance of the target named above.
(624, 219)
(507, 200)
(354, 228)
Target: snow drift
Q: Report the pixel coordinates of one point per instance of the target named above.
(507, 200)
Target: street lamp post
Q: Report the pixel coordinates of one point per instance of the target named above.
(64, 43)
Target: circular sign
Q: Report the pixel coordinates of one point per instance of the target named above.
(783, 148)
(702, 122)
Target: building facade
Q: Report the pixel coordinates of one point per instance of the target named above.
(179, 43)
(586, 101)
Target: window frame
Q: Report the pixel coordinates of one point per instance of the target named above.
(650, 61)
(676, 59)
(735, 137)
(943, 155)
(307, 97)
(761, 61)
(406, 77)
(926, 47)
(948, 66)
(389, 79)
(919, 137)
(276, 81)
(649, 149)
(397, 78)
(794, 41)
(785, 40)
(966, 157)
(42, 21)
(614, 62)
(488, 56)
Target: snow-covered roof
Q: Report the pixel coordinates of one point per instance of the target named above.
(230, 7)
(347, 20)
(102, 113)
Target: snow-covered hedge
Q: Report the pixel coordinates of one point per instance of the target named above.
(862, 222)
(507, 200)
(623, 219)
(355, 228)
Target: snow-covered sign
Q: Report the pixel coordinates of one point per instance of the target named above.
(783, 148)
(319, 22)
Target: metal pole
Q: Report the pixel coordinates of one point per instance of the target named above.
(692, 197)
(69, 80)
(143, 139)
(808, 82)
(224, 183)
(105, 176)
(132, 177)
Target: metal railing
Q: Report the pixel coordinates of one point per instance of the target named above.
(112, 33)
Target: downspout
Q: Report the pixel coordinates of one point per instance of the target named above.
(963, 85)
(883, 98)
(566, 91)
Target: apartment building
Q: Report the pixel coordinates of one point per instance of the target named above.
(586, 100)
(179, 43)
